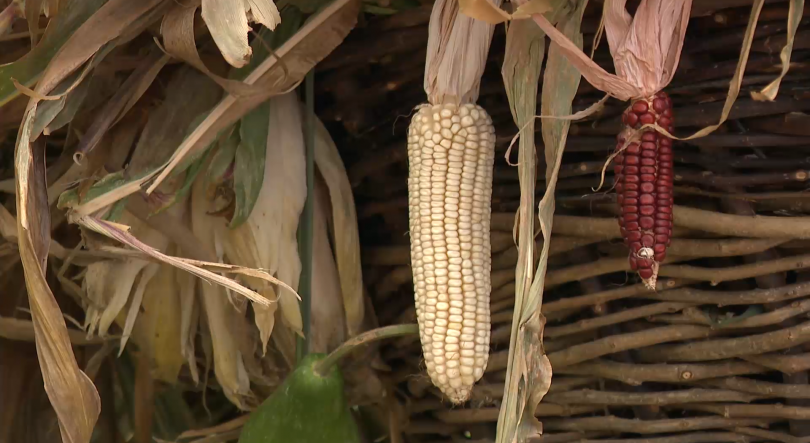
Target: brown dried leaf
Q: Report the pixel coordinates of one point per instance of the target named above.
(794, 17)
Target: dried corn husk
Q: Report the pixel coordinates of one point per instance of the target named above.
(281, 200)
(328, 321)
(189, 319)
(646, 48)
(222, 318)
(108, 285)
(158, 325)
(345, 234)
(456, 54)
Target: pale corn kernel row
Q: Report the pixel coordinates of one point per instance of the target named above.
(451, 150)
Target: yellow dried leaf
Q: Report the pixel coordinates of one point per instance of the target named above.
(189, 317)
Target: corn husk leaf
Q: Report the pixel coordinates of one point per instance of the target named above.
(159, 325)
(227, 21)
(794, 17)
(487, 12)
(457, 51)
(221, 316)
(109, 285)
(328, 329)
(285, 184)
(345, 233)
(248, 166)
(189, 319)
(316, 39)
(529, 371)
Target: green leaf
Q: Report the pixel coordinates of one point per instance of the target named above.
(306, 408)
(29, 68)
(223, 157)
(248, 172)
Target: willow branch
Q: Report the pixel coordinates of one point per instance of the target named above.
(636, 374)
(621, 342)
(591, 397)
(617, 424)
(751, 411)
(730, 347)
(760, 388)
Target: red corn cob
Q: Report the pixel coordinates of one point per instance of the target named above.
(644, 185)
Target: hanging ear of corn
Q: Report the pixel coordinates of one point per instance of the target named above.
(450, 157)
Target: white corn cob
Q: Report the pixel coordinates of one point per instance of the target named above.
(450, 154)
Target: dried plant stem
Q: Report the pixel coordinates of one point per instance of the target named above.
(731, 298)
(606, 296)
(720, 275)
(759, 387)
(621, 342)
(460, 416)
(591, 397)
(730, 347)
(684, 217)
(694, 437)
(612, 319)
(788, 364)
(635, 374)
(751, 411)
(769, 435)
(617, 424)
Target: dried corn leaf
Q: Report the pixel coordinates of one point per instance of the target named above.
(345, 234)
(159, 325)
(109, 286)
(227, 21)
(286, 190)
(29, 68)
(23, 330)
(146, 276)
(70, 391)
(457, 51)
(794, 17)
(126, 96)
(487, 12)
(221, 316)
(248, 166)
(319, 36)
(328, 328)
(529, 372)
(189, 318)
(525, 49)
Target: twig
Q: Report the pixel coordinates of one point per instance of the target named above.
(719, 275)
(635, 374)
(459, 416)
(788, 364)
(621, 342)
(606, 296)
(612, 319)
(591, 397)
(617, 424)
(731, 347)
(751, 411)
(770, 435)
(732, 298)
(759, 387)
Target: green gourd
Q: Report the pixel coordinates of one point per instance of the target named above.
(307, 408)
